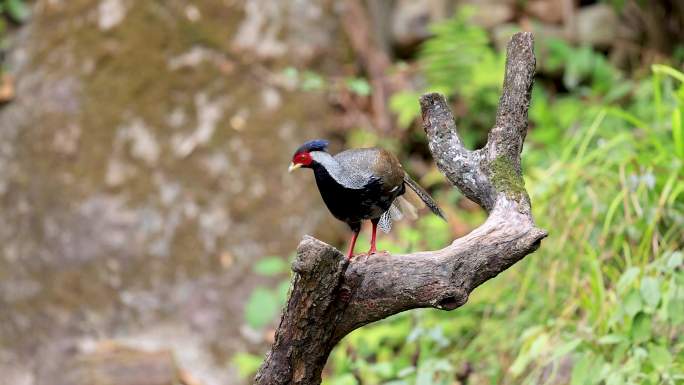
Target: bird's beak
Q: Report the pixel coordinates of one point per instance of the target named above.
(293, 167)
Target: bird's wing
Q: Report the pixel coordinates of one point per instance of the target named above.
(367, 163)
(354, 168)
(344, 170)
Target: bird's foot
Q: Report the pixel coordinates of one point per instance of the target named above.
(376, 252)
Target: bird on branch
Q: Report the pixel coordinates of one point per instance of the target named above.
(363, 184)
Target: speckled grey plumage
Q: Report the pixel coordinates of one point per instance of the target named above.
(348, 174)
(385, 223)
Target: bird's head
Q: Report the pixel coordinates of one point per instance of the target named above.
(302, 157)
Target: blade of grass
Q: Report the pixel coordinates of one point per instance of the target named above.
(678, 132)
(647, 238)
(612, 209)
(667, 70)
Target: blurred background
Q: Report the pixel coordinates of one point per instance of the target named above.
(148, 220)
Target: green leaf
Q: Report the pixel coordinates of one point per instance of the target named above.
(678, 131)
(566, 348)
(627, 278)
(676, 311)
(384, 369)
(610, 339)
(659, 356)
(291, 73)
(17, 10)
(641, 328)
(529, 353)
(406, 371)
(650, 291)
(246, 364)
(632, 303)
(282, 290)
(358, 86)
(405, 105)
(675, 260)
(581, 372)
(312, 81)
(615, 378)
(345, 379)
(261, 308)
(271, 266)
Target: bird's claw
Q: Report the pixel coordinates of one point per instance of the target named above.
(374, 252)
(381, 252)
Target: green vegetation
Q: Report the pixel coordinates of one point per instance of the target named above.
(602, 300)
(15, 10)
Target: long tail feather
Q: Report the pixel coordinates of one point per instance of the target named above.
(424, 196)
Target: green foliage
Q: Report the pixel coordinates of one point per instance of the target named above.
(602, 300)
(460, 62)
(262, 306)
(265, 302)
(246, 364)
(15, 10)
(271, 266)
(312, 81)
(453, 57)
(358, 86)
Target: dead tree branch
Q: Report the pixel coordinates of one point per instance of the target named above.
(330, 297)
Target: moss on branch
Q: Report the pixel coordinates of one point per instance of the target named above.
(506, 179)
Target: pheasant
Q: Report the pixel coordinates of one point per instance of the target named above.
(361, 184)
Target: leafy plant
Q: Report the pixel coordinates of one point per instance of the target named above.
(602, 301)
(265, 303)
(458, 61)
(262, 307)
(15, 10)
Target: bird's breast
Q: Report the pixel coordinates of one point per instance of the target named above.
(353, 205)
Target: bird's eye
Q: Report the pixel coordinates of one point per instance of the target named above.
(303, 158)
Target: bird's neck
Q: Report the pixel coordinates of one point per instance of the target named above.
(327, 168)
(326, 162)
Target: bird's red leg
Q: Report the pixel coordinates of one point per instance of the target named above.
(350, 253)
(373, 249)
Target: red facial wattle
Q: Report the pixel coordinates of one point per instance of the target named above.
(303, 158)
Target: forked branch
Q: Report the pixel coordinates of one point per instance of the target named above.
(330, 297)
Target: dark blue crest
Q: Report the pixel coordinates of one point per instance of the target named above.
(313, 145)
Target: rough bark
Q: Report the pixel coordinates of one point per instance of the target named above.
(330, 296)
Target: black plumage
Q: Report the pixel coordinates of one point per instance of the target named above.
(361, 184)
